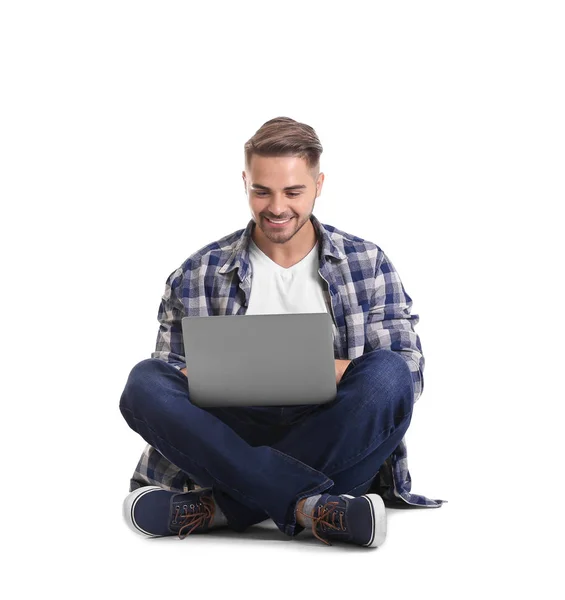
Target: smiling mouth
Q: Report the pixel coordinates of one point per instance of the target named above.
(280, 223)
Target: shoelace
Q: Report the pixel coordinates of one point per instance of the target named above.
(197, 518)
(327, 514)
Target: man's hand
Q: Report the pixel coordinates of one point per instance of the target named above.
(340, 366)
(184, 371)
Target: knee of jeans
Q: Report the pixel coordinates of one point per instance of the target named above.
(139, 379)
(393, 378)
(151, 364)
(147, 365)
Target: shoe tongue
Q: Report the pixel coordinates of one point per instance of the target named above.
(331, 498)
(332, 515)
(326, 498)
(178, 501)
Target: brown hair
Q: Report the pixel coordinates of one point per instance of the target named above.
(283, 136)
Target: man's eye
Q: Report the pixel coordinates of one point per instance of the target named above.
(292, 194)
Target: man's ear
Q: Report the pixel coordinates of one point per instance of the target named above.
(319, 184)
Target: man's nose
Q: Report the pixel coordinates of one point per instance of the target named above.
(278, 206)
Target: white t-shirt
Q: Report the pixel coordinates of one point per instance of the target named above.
(276, 290)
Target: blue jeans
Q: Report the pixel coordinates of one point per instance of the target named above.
(260, 461)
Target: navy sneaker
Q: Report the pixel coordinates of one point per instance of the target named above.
(154, 511)
(345, 518)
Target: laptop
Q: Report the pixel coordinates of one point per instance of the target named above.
(260, 360)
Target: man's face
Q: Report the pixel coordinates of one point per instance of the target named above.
(281, 188)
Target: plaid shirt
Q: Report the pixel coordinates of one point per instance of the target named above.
(370, 310)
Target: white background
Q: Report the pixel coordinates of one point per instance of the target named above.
(122, 127)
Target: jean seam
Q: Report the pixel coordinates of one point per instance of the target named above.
(312, 491)
(290, 459)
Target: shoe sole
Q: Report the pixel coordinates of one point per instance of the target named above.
(378, 519)
(129, 506)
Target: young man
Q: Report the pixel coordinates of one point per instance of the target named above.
(327, 467)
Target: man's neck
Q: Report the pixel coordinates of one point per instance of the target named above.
(292, 252)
